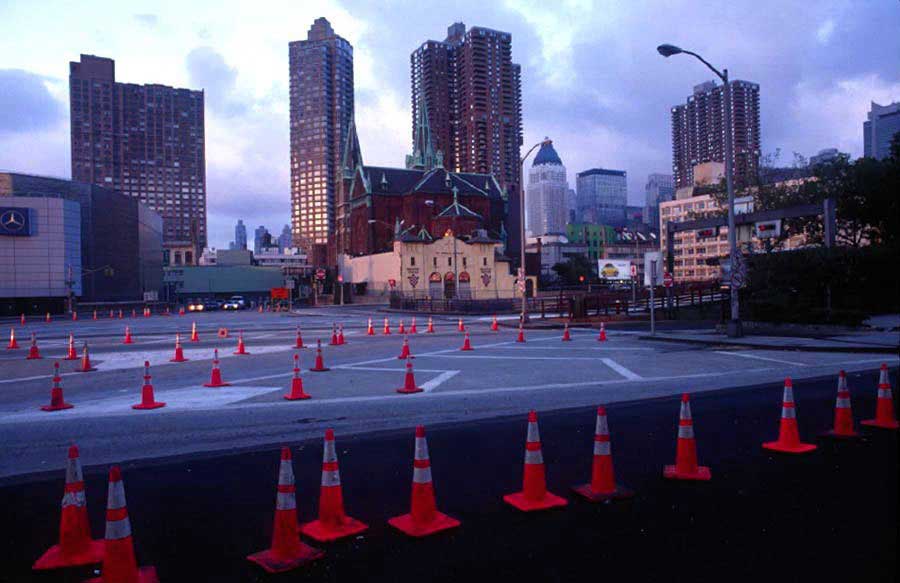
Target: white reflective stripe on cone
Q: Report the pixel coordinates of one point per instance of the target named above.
(685, 411)
(843, 403)
(534, 457)
(331, 478)
(602, 426)
(285, 501)
(73, 471)
(533, 434)
(602, 448)
(788, 413)
(884, 393)
(421, 475)
(286, 474)
(842, 384)
(73, 499)
(788, 395)
(118, 529)
(421, 449)
(329, 454)
(686, 432)
(116, 497)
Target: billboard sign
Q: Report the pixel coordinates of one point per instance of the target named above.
(16, 222)
(614, 269)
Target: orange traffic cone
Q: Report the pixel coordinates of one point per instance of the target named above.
(22, 319)
(297, 393)
(460, 326)
(334, 338)
(884, 407)
(298, 343)
(95, 314)
(843, 414)
(179, 352)
(370, 330)
(333, 523)
(788, 435)
(387, 327)
(467, 343)
(75, 546)
(603, 485)
(430, 329)
(287, 551)
(404, 351)
(33, 352)
(128, 339)
(215, 377)
(167, 312)
(320, 362)
(401, 329)
(566, 336)
(133, 313)
(240, 345)
(494, 325)
(409, 380)
(148, 401)
(71, 354)
(47, 318)
(521, 336)
(119, 564)
(120, 314)
(412, 327)
(112, 314)
(181, 311)
(13, 345)
(194, 336)
(534, 494)
(57, 402)
(686, 467)
(260, 309)
(85, 360)
(74, 316)
(423, 518)
(341, 339)
(602, 336)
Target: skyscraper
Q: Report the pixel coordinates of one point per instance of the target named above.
(321, 94)
(472, 93)
(259, 238)
(146, 141)
(698, 132)
(546, 198)
(660, 188)
(240, 235)
(285, 238)
(883, 124)
(601, 196)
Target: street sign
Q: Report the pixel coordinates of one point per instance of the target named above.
(653, 268)
(289, 284)
(320, 273)
(392, 282)
(279, 293)
(668, 280)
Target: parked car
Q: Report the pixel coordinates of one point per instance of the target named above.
(234, 303)
(210, 304)
(195, 305)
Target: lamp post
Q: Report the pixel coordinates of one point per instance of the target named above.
(734, 328)
(524, 315)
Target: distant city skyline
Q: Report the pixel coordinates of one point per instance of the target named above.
(591, 79)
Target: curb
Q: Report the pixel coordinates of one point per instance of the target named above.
(851, 349)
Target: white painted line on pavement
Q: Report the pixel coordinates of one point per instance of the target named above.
(398, 369)
(632, 376)
(757, 357)
(478, 356)
(438, 380)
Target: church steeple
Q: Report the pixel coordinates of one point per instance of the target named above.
(423, 157)
(352, 158)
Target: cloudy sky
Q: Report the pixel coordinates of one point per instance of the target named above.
(592, 80)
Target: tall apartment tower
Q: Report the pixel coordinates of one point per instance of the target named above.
(879, 129)
(659, 188)
(546, 199)
(321, 86)
(240, 235)
(472, 94)
(698, 132)
(146, 141)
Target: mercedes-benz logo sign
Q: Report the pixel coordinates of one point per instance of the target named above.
(12, 221)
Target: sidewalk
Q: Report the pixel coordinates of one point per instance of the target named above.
(860, 342)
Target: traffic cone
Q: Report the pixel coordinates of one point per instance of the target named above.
(222, 332)
(884, 408)
(57, 402)
(686, 467)
(602, 336)
(194, 336)
(370, 331)
(215, 377)
(534, 494)
(333, 523)
(128, 339)
(119, 564)
(22, 319)
(412, 327)
(603, 485)
(467, 343)
(843, 414)
(430, 329)
(85, 360)
(33, 352)
(112, 314)
(460, 326)
(287, 551)
(13, 345)
(147, 399)
(404, 351)
(147, 312)
(75, 546)
(320, 362)
(334, 338)
(521, 336)
(47, 318)
(423, 518)
(181, 311)
(241, 350)
(120, 314)
(566, 336)
(409, 381)
(179, 353)
(401, 329)
(299, 342)
(74, 316)
(341, 340)
(133, 313)
(788, 435)
(494, 325)
(168, 312)
(71, 354)
(260, 309)
(95, 314)
(387, 327)
(296, 393)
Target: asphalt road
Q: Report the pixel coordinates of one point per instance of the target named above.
(827, 516)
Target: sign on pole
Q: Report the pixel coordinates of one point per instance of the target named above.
(668, 280)
(653, 268)
(633, 271)
(320, 273)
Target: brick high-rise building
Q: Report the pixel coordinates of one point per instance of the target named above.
(321, 75)
(471, 91)
(146, 141)
(698, 133)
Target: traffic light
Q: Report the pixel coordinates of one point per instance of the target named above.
(768, 229)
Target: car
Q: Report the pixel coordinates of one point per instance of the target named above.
(210, 304)
(234, 303)
(195, 305)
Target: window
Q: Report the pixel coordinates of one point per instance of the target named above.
(412, 261)
(449, 262)
(484, 261)
(434, 261)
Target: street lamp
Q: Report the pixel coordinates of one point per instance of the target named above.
(734, 328)
(545, 141)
